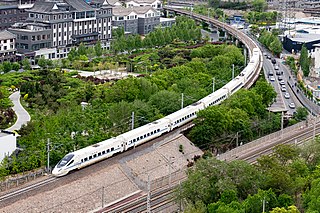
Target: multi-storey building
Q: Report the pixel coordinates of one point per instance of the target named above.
(10, 14)
(141, 20)
(7, 46)
(156, 4)
(53, 26)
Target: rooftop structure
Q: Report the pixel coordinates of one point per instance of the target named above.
(8, 143)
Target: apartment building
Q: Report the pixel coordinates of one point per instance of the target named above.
(7, 46)
(155, 4)
(10, 14)
(54, 26)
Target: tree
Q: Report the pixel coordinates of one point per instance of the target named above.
(304, 61)
(26, 64)
(301, 114)
(259, 5)
(276, 46)
(166, 101)
(6, 66)
(98, 49)
(266, 91)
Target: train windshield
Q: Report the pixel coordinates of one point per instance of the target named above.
(65, 160)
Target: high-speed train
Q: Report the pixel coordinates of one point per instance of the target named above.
(135, 137)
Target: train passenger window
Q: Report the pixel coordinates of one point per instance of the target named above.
(103, 152)
(155, 131)
(134, 140)
(85, 159)
(151, 133)
(148, 134)
(70, 163)
(137, 138)
(81, 160)
(158, 130)
(108, 150)
(90, 157)
(145, 136)
(99, 154)
(112, 149)
(95, 155)
(141, 137)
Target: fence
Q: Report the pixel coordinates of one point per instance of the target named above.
(261, 141)
(22, 179)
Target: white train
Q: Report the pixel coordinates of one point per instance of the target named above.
(135, 137)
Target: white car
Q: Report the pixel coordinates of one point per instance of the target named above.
(292, 106)
(272, 78)
(287, 95)
(282, 82)
(283, 88)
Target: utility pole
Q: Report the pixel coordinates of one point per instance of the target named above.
(237, 139)
(170, 172)
(132, 120)
(149, 196)
(213, 85)
(232, 71)
(245, 56)
(282, 124)
(314, 129)
(48, 155)
(102, 197)
(179, 196)
(181, 100)
(264, 205)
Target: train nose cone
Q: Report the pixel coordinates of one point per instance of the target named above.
(55, 172)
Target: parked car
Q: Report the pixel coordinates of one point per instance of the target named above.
(283, 88)
(273, 61)
(280, 78)
(268, 57)
(276, 67)
(282, 82)
(270, 73)
(272, 78)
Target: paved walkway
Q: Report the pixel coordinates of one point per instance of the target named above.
(23, 116)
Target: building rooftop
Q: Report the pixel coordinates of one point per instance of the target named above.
(143, 10)
(305, 38)
(122, 11)
(4, 35)
(62, 6)
(143, 1)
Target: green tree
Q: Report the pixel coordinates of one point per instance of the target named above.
(6, 66)
(276, 46)
(26, 64)
(304, 61)
(259, 5)
(266, 91)
(301, 114)
(98, 49)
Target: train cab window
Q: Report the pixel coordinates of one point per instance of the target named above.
(112, 149)
(70, 163)
(90, 157)
(66, 159)
(103, 152)
(99, 154)
(85, 159)
(82, 160)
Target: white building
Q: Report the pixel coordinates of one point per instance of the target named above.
(7, 46)
(155, 4)
(8, 144)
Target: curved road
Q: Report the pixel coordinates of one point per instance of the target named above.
(23, 116)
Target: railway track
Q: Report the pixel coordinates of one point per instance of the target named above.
(158, 201)
(27, 189)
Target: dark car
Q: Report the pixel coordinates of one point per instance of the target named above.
(273, 61)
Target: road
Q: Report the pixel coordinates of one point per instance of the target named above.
(281, 103)
(23, 116)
